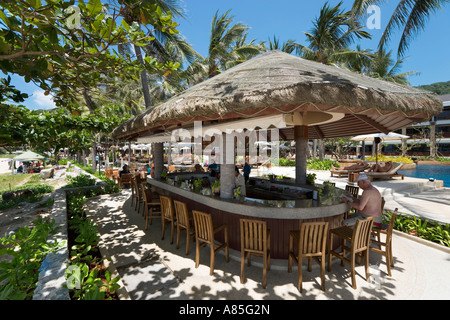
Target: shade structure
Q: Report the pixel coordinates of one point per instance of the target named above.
(277, 83)
(26, 156)
(384, 137)
(378, 137)
(29, 156)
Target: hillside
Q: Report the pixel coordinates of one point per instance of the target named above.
(439, 88)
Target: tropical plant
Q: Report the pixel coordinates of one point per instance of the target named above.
(228, 46)
(331, 36)
(84, 278)
(216, 186)
(311, 178)
(394, 159)
(284, 162)
(317, 164)
(140, 14)
(274, 44)
(409, 15)
(27, 247)
(421, 227)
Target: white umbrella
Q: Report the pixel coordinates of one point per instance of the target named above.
(382, 136)
(378, 137)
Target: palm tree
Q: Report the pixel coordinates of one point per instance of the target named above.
(288, 46)
(228, 46)
(134, 11)
(382, 66)
(379, 65)
(332, 34)
(409, 15)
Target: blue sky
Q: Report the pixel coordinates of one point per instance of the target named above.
(288, 19)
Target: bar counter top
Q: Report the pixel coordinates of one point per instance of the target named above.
(328, 204)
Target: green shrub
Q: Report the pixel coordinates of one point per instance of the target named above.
(325, 164)
(405, 160)
(83, 180)
(283, 162)
(428, 230)
(38, 192)
(85, 256)
(27, 247)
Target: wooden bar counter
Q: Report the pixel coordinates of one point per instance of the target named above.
(282, 216)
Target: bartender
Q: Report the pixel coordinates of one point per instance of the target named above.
(239, 181)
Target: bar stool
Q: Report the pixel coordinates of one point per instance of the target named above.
(255, 239)
(184, 223)
(311, 242)
(204, 234)
(167, 215)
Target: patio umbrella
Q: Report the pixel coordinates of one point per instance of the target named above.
(377, 138)
(26, 156)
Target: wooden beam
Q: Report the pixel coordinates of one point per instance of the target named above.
(318, 132)
(372, 123)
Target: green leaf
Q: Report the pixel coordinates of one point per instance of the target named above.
(5, 18)
(53, 35)
(125, 25)
(94, 7)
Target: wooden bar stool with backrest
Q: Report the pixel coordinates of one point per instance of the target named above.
(374, 234)
(204, 234)
(184, 223)
(125, 180)
(139, 195)
(115, 175)
(311, 242)
(167, 215)
(354, 191)
(358, 237)
(387, 244)
(108, 172)
(133, 190)
(255, 239)
(152, 208)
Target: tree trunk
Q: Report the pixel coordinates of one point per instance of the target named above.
(144, 80)
(404, 147)
(432, 139)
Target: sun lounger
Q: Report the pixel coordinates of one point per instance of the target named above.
(389, 174)
(341, 172)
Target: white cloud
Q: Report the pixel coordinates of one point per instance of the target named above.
(42, 101)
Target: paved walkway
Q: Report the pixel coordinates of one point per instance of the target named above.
(151, 268)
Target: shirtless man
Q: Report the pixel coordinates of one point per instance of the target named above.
(368, 205)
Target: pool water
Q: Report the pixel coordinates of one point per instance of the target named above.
(429, 171)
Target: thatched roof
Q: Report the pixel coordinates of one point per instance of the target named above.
(276, 82)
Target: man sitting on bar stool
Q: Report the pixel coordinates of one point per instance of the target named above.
(369, 204)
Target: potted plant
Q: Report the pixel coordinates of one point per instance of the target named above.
(197, 184)
(327, 187)
(237, 193)
(310, 178)
(216, 187)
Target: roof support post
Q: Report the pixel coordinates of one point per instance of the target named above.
(158, 159)
(227, 176)
(301, 150)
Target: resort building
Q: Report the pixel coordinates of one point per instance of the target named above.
(419, 144)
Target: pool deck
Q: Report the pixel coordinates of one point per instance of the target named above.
(153, 269)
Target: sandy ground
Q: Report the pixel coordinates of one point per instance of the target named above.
(25, 213)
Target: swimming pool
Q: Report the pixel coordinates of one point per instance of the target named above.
(429, 171)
